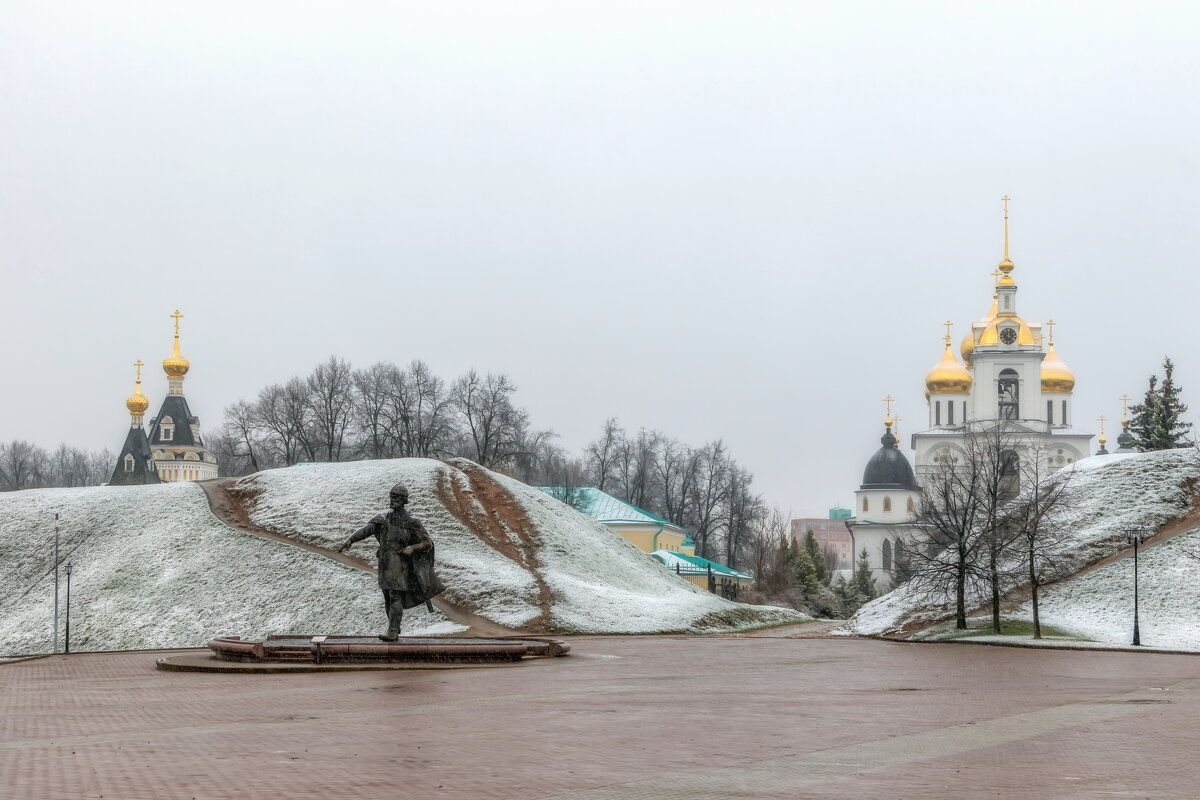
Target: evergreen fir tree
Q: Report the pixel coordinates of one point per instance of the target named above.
(862, 577)
(1171, 409)
(1156, 421)
(818, 559)
(804, 573)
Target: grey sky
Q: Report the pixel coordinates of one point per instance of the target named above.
(721, 220)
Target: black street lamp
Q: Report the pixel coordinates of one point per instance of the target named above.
(1135, 536)
(67, 638)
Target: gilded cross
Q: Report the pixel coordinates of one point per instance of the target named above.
(948, 325)
(1050, 325)
(896, 427)
(1102, 419)
(889, 400)
(139, 366)
(1124, 408)
(996, 275)
(177, 316)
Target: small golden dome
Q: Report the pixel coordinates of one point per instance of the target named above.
(1056, 376)
(948, 376)
(175, 365)
(137, 402)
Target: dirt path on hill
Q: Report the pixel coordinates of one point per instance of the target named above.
(491, 513)
(1188, 522)
(233, 510)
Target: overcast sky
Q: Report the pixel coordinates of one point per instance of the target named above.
(730, 220)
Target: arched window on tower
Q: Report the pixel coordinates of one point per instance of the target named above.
(1008, 388)
(129, 463)
(866, 505)
(887, 554)
(166, 429)
(887, 504)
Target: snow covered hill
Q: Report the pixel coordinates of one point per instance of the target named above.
(505, 550)
(155, 568)
(1093, 595)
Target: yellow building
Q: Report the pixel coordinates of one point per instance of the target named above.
(666, 542)
(647, 532)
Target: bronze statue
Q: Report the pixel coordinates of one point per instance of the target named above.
(405, 560)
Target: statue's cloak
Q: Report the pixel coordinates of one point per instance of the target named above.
(413, 575)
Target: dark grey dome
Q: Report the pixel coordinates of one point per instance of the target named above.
(888, 468)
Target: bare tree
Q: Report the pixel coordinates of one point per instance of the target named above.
(943, 556)
(241, 429)
(496, 431)
(372, 390)
(1041, 500)
(330, 400)
(601, 455)
(707, 493)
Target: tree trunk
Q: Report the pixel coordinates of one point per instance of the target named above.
(1033, 588)
(960, 600)
(995, 576)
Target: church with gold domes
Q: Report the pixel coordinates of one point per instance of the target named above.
(1006, 376)
(1009, 373)
(173, 450)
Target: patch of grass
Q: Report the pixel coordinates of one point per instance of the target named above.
(982, 626)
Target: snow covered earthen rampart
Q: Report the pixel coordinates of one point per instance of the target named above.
(154, 567)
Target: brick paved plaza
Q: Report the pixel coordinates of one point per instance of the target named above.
(622, 717)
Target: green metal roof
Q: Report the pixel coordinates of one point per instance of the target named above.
(698, 565)
(603, 507)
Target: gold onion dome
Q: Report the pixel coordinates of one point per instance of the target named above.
(175, 365)
(1056, 376)
(948, 376)
(137, 402)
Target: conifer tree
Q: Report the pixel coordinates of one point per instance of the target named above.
(814, 552)
(862, 577)
(804, 573)
(1156, 422)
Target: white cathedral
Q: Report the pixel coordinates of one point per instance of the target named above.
(1006, 376)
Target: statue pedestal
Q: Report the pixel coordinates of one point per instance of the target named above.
(333, 652)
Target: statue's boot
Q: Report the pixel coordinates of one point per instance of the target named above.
(390, 636)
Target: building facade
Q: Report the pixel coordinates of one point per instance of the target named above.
(832, 536)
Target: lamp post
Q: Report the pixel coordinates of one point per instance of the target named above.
(1135, 536)
(67, 637)
(56, 583)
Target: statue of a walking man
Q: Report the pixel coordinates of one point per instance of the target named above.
(405, 560)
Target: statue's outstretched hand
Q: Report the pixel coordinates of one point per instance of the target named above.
(344, 546)
(408, 551)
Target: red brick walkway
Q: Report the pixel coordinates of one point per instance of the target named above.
(626, 717)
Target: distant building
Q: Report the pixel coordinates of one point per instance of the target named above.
(668, 543)
(135, 463)
(833, 537)
(179, 451)
(648, 532)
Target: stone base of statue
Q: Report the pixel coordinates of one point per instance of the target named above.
(294, 653)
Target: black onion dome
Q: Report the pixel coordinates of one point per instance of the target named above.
(889, 468)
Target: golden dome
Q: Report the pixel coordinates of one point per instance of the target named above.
(175, 365)
(991, 334)
(948, 376)
(1056, 376)
(137, 402)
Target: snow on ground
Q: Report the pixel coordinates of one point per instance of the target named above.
(154, 568)
(1098, 605)
(1107, 494)
(594, 580)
